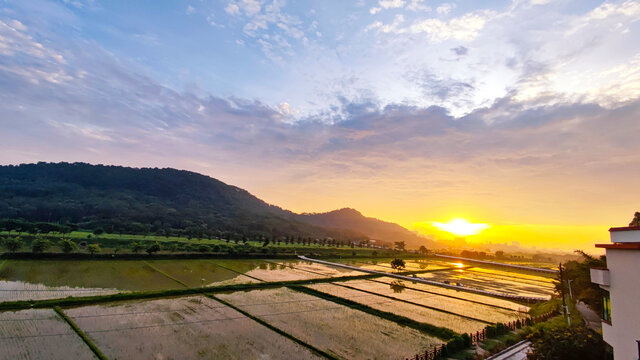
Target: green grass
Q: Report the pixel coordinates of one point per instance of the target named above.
(80, 333)
(544, 307)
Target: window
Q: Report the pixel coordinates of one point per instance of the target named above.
(606, 303)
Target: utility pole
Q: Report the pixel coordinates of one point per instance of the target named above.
(564, 303)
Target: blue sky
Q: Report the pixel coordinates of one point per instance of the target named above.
(408, 110)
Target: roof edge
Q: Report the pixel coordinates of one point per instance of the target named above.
(624, 228)
(620, 246)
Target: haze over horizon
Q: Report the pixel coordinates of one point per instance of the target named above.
(521, 114)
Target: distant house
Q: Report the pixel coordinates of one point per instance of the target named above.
(620, 282)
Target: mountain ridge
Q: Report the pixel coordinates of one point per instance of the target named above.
(167, 200)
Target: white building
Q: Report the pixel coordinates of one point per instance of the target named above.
(621, 284)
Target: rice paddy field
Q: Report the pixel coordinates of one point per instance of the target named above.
(39, 334)
(272, 323)
(458, 324)
(336, 329)
(181, 328)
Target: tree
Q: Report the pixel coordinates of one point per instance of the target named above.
(40, 245)
(423, 250)
(581, 286)
(636, 219)
(153, 248)
(93, 248)
(399, 245)
(577, 342)
(136, 247)
(68, 246)
(13, 244)
(98, 231)
(398, 264)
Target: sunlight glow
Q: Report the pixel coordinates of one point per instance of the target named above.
(461, 227)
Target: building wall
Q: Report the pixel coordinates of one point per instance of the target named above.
(624, 271)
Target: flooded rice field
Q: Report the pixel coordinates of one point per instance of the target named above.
(430, 316)
(181, 328)
(476, 310)
(336, 329)
(39, 334)
(50, 279)
(200, 327)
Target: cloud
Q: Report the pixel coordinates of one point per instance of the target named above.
(445, 8)
(391, 4)
(464, 28)
(460, 50)
(544, 121)
(190, 10)
(418, 5)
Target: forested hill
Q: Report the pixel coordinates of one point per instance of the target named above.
(149, 201)
(130, 200)
(373, 228)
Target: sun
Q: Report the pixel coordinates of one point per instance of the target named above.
(461, 227)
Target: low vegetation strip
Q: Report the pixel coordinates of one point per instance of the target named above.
(413, 303)
(86, 300)
(2, 264)
(165, 274)
(448, 296)
(271, 327)
(439, 332)
(80, 333)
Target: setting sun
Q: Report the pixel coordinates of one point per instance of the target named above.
(461, 227)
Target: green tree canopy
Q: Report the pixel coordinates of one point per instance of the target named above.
(93, 248)
(68, 246)
(398, 264)
(576, 342)
(40, 245)
(13, 244)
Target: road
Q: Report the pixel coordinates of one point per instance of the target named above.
(590, 316)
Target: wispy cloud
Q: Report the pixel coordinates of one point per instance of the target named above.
(425, 108)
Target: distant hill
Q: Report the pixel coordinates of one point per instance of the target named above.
(150, 200)
(373, 228)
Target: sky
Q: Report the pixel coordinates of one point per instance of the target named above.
(521, 114)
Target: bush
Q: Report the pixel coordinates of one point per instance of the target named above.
(68, 246)
(153, 248)
(40, 245)
(576, 342)
(93, 248)
(136, 246)
(13, 244)
(204, 248)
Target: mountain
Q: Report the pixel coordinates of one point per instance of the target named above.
(120, 199)
(375, 229)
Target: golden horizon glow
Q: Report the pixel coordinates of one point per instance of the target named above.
(461, 227)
